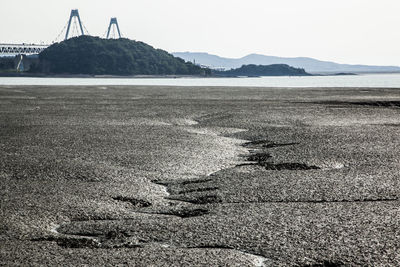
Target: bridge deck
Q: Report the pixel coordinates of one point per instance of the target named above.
(26, 49)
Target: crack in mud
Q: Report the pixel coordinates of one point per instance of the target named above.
(186, 213)
(384, 104)
(326, 263)
(291, 166)
(259, 157)
(122, 239)
(388, 104)
(72, 242)
(200, 200)
(206, 189)
(196, 181)
(267, 144)
(116, 240)
(139, 203)
(273, 145)
(317, 201)
(265, 160)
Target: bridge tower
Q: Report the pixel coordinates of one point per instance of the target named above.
(74, 15)
(114, 23)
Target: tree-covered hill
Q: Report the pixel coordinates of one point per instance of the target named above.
(96, 56)
(263, 70)
(7, 63)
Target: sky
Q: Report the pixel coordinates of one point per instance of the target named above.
(344, 31)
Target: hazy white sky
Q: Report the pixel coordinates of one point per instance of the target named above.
(345, 31)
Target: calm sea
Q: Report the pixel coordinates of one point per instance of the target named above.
(370, 80)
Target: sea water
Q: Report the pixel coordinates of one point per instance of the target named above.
(365, 80)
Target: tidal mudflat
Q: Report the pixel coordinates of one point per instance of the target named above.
(181, 176)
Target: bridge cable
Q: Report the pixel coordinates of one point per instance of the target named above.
(62, 31)
(105, 34)
(87, 32)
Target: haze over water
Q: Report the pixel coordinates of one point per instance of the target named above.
(371, 80)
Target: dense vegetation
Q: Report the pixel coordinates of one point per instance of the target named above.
(6, 63)
(263, 70)
(96, 56)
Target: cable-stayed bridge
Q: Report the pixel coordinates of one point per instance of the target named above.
(74, 27)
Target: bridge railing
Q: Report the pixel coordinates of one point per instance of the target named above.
(26, 49)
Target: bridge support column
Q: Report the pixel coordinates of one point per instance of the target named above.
(113, 22)
(74, 14)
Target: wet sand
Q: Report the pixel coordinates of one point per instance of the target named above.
(177, 176)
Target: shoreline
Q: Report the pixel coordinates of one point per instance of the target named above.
(87, 76)
(40, 75)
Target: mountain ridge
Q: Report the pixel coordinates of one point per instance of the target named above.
(309, 64)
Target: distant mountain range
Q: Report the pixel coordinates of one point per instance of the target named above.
(309, 64)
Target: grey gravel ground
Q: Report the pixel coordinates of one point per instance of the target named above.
(170, 176)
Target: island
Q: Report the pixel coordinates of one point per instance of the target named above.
(262, 70)
(96, 56)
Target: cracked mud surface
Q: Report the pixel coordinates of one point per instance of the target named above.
(139, 176)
